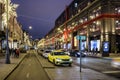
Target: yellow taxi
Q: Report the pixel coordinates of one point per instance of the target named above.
(59, 57)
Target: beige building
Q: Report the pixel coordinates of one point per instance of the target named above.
(9, 21)
(2, 32)
(41, 44)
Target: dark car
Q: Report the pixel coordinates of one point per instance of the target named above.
(76, 53)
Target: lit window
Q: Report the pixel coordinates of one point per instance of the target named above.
(76, 4)
(117, 10)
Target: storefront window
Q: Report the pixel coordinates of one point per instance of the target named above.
(75, 41)
(95, 44)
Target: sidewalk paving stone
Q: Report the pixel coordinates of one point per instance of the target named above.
(75, 74)
(6, 69)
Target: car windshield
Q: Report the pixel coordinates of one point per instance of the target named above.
(59, 53)
(47, 51)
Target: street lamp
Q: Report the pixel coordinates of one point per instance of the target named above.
(7, 45)
(30, 27)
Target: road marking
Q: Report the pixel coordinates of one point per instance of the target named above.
(111, 72)
(29, 64)
(30, 59)
(27, 75)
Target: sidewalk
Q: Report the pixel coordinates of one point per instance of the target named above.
(6, 69)
(74, 73)
(111, 56)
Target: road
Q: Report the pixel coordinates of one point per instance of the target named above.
(29, 69)
(98, 64)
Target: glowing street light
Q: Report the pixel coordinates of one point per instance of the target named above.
(30, 27)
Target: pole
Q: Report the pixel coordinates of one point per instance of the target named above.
(7, 45)
(80, 54)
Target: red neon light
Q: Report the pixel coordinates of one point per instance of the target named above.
(102, 16)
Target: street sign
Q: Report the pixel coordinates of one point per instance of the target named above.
(80, 37)
(105, 48)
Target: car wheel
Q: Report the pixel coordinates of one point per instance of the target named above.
(75, 55)
(48, 60)
(70, 65)
(54, 62)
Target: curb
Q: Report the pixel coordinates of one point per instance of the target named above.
(106, 58)
(15, 67)
(43, 67)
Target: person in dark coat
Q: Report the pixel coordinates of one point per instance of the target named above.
(96, 50)
(17, 52)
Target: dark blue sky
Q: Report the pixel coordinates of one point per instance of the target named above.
(40, 14)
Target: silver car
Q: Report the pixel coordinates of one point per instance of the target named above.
(45, 53)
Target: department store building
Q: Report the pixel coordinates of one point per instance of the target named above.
(98, 21)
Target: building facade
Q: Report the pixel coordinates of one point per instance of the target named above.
(2, 32)
(98, 21)
(8, 20)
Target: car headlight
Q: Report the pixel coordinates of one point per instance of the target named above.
(70, 59)
(78, 53)
(58, 59)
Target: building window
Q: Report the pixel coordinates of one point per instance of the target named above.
(95, 26)
(96, 12)
(83, 31)
(117, 23)
(117, 10)
(82, 20)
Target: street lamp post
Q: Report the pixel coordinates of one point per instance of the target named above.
(7, 45)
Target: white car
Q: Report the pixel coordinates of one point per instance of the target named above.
(45, 53)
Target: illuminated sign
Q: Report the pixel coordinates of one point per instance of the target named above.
(106, 46)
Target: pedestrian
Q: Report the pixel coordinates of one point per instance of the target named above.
(17, 52)
(93, 50)
(10, 51)
(96, 50)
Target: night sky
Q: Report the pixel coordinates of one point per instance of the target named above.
(40, 14)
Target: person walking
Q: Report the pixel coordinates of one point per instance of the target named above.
(93, 50)
(17, 52)
(96, 50)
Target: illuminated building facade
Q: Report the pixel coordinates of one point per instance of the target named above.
(97, 20)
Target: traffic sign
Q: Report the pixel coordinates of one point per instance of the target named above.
(80, 37)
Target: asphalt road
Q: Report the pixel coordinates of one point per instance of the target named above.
(98, 64)
(29, 69)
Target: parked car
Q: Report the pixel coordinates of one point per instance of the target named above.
(40, 51)
(76, 53)
(59, 57)
(45, 53)
(66, 52)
